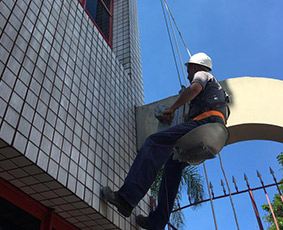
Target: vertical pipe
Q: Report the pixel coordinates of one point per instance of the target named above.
(271, 209)
(255, 210)
(228, 187)
(280, 193)
(211, 203)
(274, 178)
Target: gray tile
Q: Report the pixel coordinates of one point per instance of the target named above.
(64, 161)
(20, 142)
(21, 89)
(6, 42)
(55, 153)
(42, 160)
(41, 108)
(3, 106)
(48, 131)
(38, 122)
(53, 168)
(71, 184)
(7, 133)
(35, 136)
(4, 54)
(31, 151)
(28, 112)
(73, 168)
(16, 102)
(24, 77)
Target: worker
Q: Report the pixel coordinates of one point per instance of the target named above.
(207, 105)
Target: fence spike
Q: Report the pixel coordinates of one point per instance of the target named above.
(211, 188)
(275, 180)
(247, 181)
(259, 176)
(271, 170)
(223, 186)
(235, 183)
(272, 173)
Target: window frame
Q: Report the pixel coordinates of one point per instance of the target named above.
(110, 13)
(49, 219)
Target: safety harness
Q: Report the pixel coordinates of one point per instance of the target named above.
(209, 114)
(205, 105)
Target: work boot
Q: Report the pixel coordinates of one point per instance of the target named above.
(142, 221)
(119, 202)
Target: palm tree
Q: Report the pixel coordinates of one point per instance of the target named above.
(190, 180)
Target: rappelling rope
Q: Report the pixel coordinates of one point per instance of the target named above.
(168, 31)
(184, 43)
(176, 43)
(231, 200)
(210, 197)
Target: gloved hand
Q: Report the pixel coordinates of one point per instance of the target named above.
(168, 116)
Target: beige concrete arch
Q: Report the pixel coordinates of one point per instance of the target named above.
(256, 109)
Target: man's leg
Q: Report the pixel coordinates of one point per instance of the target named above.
(171, 178)
(151, 157)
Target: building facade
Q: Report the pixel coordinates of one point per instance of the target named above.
(70, 79)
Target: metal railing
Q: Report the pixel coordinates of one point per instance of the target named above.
(249, 190)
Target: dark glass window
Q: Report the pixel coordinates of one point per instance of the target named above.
(101, 13)
(91, 6)
(14, 218)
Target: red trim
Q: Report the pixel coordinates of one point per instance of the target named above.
(47, 223)
(105, 7)
(21, 200)
(49, 219)
(111, 23)
(83, 3)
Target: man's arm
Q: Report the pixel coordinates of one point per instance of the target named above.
(188, 95)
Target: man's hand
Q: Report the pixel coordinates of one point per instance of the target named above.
(168, 116)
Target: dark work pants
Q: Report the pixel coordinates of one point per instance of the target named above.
(155, 152)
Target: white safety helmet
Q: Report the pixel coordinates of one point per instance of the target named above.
(200, 59)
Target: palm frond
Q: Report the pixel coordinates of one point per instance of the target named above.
(192, 181)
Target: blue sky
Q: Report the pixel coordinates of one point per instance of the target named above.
(243, 38)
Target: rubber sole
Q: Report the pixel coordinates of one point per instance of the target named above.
(111, 197)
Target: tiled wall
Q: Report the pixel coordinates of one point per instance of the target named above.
(67, 104)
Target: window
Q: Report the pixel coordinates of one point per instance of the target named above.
(28, 213)
(101, 12)
(10, 212)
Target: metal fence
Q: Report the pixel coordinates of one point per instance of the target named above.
(227, 192)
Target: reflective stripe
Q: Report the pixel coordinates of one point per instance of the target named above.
(209, 114)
